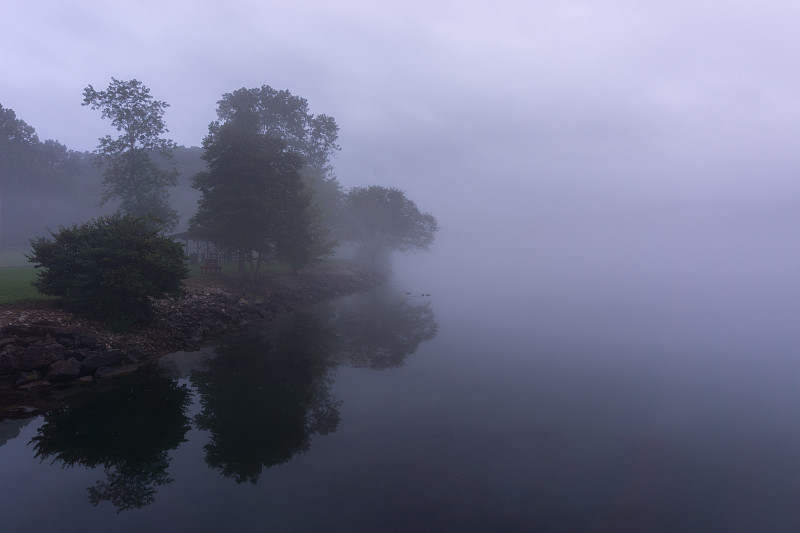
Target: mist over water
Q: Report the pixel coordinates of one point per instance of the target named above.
(611, 337)
(616, 374)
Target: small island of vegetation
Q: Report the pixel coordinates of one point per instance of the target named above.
(264, 219)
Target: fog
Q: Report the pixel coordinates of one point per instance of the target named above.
(616, 182)
(611, 146)
(567, 142)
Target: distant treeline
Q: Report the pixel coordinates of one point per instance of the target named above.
(44, 184)
(263, 181)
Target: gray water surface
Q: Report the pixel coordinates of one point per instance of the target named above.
(654, 393)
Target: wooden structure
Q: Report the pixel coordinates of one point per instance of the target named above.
(211, 266)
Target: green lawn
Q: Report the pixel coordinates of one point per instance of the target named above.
(15, 285)
(232, 268)
(15, 281)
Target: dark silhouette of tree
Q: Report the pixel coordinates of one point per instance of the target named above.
(58, 184)
(130, 175)
(109, 267)
(381, 219)
(282, 115)
(252, 197)
(380, 328)
(127, 430)
(263, 396)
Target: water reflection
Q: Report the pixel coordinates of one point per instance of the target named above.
(127, 430)
(264, 394)
(379, 329)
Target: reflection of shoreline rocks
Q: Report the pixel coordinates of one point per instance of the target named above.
(45, 349)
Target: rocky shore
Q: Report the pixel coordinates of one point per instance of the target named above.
(45, 350)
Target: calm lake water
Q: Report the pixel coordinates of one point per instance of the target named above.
(576, 391)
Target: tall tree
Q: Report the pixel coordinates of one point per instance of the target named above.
(252, 195)
(128, 430)
(18, 142)
(43, 177)
(285, 116)
(265, 394)
(381, 219)
(282, 115)
(130, 174)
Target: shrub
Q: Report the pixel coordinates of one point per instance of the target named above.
(109, 267)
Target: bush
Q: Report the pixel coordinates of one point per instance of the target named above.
(108, 267)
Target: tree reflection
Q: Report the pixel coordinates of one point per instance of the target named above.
(127, 430)
(379, 329)
(265, 394)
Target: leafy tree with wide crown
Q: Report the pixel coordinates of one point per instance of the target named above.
(381, 219)
(130, 174)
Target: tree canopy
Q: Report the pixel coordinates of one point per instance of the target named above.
(128, 430)
(251, 195)
(280, 114)
(130, 174)
(42, 177)
(381, 219)
(285, 116)
(109, 267)
(265, 394)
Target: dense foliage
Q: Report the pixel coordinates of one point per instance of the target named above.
(268, 186)
(252, 195)
(109, 267)
(381, 219)
(127, 430)
(263, 180)
(282, 115)
(44, 178)
(265, 395)
(131, 175)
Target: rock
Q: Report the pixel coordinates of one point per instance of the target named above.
(7, 341)
(134, 355)
(95, 360)
(28, 377)
(34, 385)
(9, 363)
(89, 341)
(64, 370)
(40, 356)
(105, 372)
(19, 330)
(80, 354)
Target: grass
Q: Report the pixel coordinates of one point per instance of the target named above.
(15, 285)
(231, 269)
(16, 277)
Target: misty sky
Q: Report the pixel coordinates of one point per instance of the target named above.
(514, 111)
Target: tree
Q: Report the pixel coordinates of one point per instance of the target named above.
(285, 116)
(282, 115)
(265, 394)
(130, 174)
(18, 142)
(252, 196)
(56, 183)
(128, 430)
(380, 328)
(109, 267)
(380, 220)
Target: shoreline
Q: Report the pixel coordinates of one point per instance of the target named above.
(47, 353)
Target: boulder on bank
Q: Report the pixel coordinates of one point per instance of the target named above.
(47, 347)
